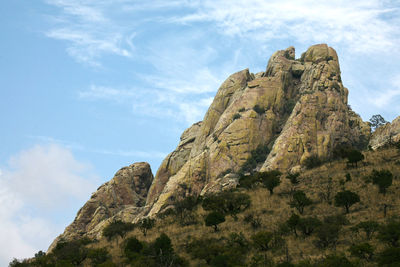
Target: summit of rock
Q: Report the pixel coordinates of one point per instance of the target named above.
(297, 108)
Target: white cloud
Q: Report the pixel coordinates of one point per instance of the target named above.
(35, 186)
(363, 26)
(387, 97)
(89, 32)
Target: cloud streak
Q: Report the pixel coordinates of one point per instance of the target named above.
(366, 26)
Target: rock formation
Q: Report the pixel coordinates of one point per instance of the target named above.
(123, 197)
(296, 108)
(390, 132)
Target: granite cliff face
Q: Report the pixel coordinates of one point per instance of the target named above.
(390, 132)
(296, 108)
(123, 197)
(301, 111)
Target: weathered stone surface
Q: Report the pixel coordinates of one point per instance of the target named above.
(231, 129)
(321, 118)
(302, 111)
(174, 161)
(390, 132)
(126, 191)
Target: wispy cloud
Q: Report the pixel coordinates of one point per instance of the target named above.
(89, 31)
(48, 141)
(389, 96)
(363, 26)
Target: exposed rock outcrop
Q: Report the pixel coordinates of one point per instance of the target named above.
(390, 132)
(301, 111)
(123, 197)
(321, 118)
(296, 108)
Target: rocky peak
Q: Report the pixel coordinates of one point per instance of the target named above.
(126, 191)
(390, 132)
(297, 108)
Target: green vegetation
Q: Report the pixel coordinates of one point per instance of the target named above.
(257, 156)
(117, 228)
(346, 199)
(354, 156)
(299, 201)
(259, 109)
(377, 121)
(383, 179)
(146, 224)
(313, 161)
(270, 179)
(236, 116)
(213, 219)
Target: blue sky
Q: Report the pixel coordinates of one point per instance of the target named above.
(90, 86)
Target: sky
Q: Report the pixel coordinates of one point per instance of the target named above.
(90, 86)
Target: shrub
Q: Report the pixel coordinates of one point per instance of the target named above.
(363, 251)
(308, 225)
(258, 109)
(299, 201)
(242, 109)
(73, 252)
(389, 257)
(346, 199)
(312, 161)
(390, 232)
(184, 210)
(293, 222)
(354, 156)
(214, 219)
(98, 255)
(257, 155)
(133, 248)
(327, 235)
(117, 228)
(255, 222)
(270, 179)
(262, 240)
(369, 228)
(335, 261)
(293, 178)
(227, 203)
(383, 179)
(146, 224)
(236, 116)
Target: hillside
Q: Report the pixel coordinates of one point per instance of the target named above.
(280, 171)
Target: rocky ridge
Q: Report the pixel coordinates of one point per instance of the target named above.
(296, 108)
(390, 132)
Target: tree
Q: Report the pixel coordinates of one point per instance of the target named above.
(327, 234)
(346, 199)
(262, 240)
(308, 225)
(213, 219)
(383, 179)
(390, 233)
(293, 222)
(299, 201)
(132, 248)
(146, 224)
(227, 203)
(270, 179)
(389, 257)
(377, 121)
(363, 251)
(117, 228)
(354, 156)
(369, 228)
(336, 261)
